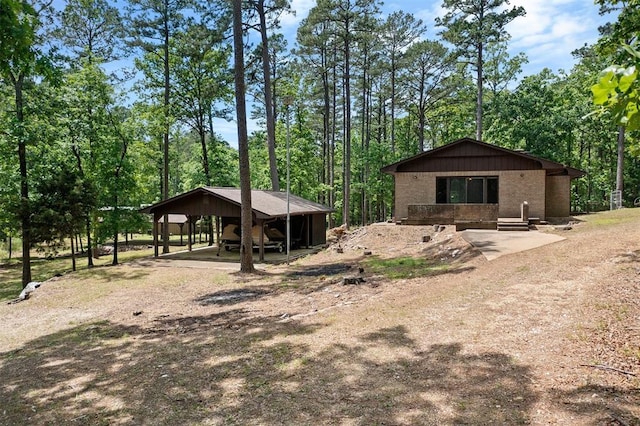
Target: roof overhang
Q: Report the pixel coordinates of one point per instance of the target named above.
(552, 168)
(226, 201)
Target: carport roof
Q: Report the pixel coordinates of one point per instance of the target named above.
(265, 204)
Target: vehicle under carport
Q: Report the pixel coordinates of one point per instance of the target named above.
(269, 209)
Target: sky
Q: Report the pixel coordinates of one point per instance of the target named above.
(547, 34)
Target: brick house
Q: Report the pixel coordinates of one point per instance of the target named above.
(468, 181)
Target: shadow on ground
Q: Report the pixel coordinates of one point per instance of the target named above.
(610, 405)
(232, 368)
(231, 297)
(315, 277)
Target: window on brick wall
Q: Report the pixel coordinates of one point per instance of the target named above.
(467, 190)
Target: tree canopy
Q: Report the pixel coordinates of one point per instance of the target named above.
(126, 104)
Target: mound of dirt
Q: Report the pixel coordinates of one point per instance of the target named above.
(390, 240)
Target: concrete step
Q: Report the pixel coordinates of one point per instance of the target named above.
(513, 226)
(462, 225)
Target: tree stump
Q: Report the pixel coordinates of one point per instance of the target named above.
(352, 280)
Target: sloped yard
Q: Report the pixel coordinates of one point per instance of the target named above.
(433, 333)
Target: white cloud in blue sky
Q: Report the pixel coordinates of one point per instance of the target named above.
(290, 22)
(549, 32)
(552, 29)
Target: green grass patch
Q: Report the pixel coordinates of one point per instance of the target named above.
(614, 217)
(43, 269)
(404, 267)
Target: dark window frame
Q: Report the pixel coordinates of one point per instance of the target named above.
(456, 190)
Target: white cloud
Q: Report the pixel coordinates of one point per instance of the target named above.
(290, 21)
(551, 30)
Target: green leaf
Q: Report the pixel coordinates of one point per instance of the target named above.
(631, 51)
(605, 88)
(628, 78)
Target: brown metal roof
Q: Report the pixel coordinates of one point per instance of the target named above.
(225, 201)
(271, 203)
(472, 155)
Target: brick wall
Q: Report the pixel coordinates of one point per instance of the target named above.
(413, 188)
(514, 188)
(431, 214)
(522, 185)
(476, 212)
(558, 196)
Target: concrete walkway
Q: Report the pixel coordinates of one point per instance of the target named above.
(494, 244)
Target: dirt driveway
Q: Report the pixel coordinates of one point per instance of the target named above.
(549, 335)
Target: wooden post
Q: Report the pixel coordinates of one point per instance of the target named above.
(218, 230)
(261, 240)
(189, 220)
(156, 217)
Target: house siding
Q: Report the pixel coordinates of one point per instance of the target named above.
(515, 186)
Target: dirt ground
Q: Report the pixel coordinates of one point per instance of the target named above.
(545, 336)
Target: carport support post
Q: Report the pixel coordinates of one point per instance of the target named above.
(156, 218)
(261, 240)
(218, 230)
(189, 221)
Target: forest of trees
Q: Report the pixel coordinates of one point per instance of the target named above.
(107, 108)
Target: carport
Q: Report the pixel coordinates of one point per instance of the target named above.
(308, 218)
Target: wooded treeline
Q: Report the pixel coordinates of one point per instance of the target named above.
(106, 108)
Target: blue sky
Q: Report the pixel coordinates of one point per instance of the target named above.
(549, 32)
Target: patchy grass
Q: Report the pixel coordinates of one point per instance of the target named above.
(404, 267)
(44, 266)
(43, 269)
(150, 343)
(609, 218)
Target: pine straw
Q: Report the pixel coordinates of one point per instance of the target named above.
(498, 342)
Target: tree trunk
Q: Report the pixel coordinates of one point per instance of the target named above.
(115, 231)
(347, 130)
(25, 209)
(332, 147)
(205, 156)
(421, 112)
(393, 103)
(480, 94)
(268, 98)
(620, 165)
(326, 108)
(246, 245)
(89, 243)
(165, 136)
(73, 254)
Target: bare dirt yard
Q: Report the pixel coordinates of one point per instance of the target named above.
(435, 334)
